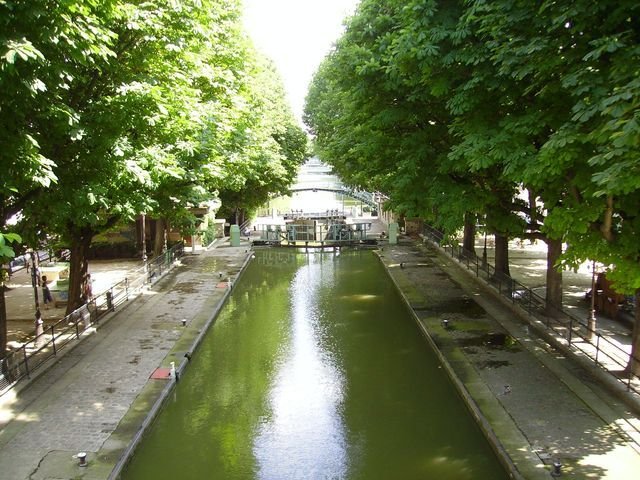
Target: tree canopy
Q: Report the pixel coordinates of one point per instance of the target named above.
(110, 109)
(523, 114)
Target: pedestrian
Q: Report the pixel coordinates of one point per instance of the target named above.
(46, 293)
(87, 289)
(39, 328)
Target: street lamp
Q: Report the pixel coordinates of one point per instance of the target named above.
(34, 281)
(144, 240)
(484, 251)
(591, 320)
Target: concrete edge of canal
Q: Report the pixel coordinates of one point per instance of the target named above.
(149, 403)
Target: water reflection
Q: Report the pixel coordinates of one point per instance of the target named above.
(304, 435)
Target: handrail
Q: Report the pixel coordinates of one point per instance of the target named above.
(21, 363)
(573, 331)
(244, 225)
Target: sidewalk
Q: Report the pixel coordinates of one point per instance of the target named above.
(98, 394)
(541, 406)
(528, 266)
(20, 302)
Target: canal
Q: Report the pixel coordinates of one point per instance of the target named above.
(315, 369)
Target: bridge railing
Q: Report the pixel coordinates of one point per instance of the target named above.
(367, 197)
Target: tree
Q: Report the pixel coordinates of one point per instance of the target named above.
(269, 145)
(37, 45)
(539, 103)
(125, 101)
(7, 253)
(575, 66)
(388, 126)
(133, 108)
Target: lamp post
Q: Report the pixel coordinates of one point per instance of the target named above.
(144, 240)
(591, 321)
(34, 281)
(484, 251)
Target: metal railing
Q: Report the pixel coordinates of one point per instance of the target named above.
(369, 198)
(573, 331)
(22, 362)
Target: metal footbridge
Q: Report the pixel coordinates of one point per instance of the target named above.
(369, 198)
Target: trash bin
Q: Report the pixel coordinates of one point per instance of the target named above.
(234, 233)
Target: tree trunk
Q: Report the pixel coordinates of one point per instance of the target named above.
(634, 359)
(159, 237)
(502, 254)
(554, 278)
(3, 322)
(80, 244)
(469, 238)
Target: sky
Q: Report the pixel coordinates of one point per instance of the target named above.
(296, 35)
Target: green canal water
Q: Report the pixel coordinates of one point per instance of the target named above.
(315, 369)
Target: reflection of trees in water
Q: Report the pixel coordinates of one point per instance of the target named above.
(273, 257)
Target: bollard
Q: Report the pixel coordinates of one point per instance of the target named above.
(82, 457)
(557, 469)
(184, 322)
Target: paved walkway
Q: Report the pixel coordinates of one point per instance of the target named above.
(20, 300)
(98, 395)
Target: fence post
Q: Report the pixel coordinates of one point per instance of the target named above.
(53, 341)
(26, 360)
(570, 330)
(93, 311)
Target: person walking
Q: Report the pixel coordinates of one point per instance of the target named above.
(87, 289)
(46, 293)
(39, 328)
